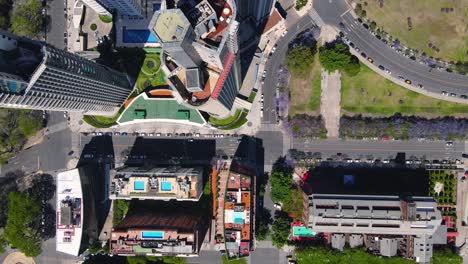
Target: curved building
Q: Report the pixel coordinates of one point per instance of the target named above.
(200, 53)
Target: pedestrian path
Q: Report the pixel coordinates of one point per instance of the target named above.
(315, 16)
(330, 102)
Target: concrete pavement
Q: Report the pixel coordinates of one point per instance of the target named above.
(330, 98)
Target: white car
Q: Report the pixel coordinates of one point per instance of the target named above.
(386, 161)
(158, 134)
(277, 206)
(284, 33)
(197, 135)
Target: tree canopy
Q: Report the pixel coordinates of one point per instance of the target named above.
(299, 59)
(21, 230)
(26, 18)
(280, 185)
(281, 229)
(336, 56)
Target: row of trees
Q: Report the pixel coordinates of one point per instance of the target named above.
(302, 125)
(404, 127)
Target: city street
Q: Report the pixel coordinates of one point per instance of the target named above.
(334, 12)
(382, 149)
(56, 14)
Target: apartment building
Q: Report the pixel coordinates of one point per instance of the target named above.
(388, 225)
(35, 75)
(123, 7)
(157, 183)
(200, 53)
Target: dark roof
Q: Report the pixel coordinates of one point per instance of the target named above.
(178, 221)
(367, 181)
(193, 78)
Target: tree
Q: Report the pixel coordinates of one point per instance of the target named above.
(95, 247)
(336, 56)
(28, 124)
(26, 18)
(299, 59)
(281, 229)
(21, 229)
(280, 185)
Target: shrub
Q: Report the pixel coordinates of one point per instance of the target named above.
(93, 27)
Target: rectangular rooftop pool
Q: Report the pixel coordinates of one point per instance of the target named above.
(152, 234)
(139, 185)
(138, 36)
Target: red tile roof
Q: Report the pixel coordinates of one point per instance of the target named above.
(228, 60)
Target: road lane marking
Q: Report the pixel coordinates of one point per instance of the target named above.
(370, 44)
(344, 13)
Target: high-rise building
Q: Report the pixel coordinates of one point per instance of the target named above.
(34, 75)
(123, 7)
(258, 10)
(200, 46)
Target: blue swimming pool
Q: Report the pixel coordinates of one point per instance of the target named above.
(166, 186)
(238, 217)
(139, 185)
(138, 36)
(152, 234)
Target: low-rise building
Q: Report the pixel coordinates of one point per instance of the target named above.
(157, 183)
(238, 215)
(161, 233)
(386, 225)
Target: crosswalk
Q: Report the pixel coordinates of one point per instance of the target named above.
(315, 16)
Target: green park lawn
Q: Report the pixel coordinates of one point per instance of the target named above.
(305, 91)
(430, 24)
(151, 74)
(370, 93)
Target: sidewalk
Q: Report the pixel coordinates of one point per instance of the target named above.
(330, 102)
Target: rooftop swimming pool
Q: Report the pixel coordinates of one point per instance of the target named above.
(238, 217)
(166, 186)
(139, 185)
(138, 36)
(152, 234)
(302, 231)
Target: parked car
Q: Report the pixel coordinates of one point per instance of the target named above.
(370, 60)
(453, 94)
(381, 67)
(277, 206)
(284, 33)
(420, 86)
(444, 93)
(408, 81)
(449, 143)
(463, 96)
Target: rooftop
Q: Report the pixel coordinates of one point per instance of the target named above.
(69, 212)
(171, 25)
(144, 108)
(158, 183)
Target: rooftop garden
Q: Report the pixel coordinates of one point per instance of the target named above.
(232, 122)
(150, 74)
(442, 186)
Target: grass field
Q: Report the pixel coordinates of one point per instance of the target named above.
(448, 31)
(305, 91)
(371, 93)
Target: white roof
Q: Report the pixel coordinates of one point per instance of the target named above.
(69, 186)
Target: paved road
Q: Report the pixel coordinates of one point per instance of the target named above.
(272, 65)
(55, 36)
(336, 11)
(382, 149)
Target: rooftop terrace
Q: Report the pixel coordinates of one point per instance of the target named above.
(144, 108)
(156, 183)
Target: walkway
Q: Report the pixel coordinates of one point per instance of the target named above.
(330, 102)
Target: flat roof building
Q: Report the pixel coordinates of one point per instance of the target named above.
(391, 223)
(157, 183)
(159, 233)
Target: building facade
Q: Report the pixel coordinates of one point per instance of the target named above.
(123, 7)
(157, 183)
(200, 53)
(387, 225)
(34, 75)
(258, 10)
